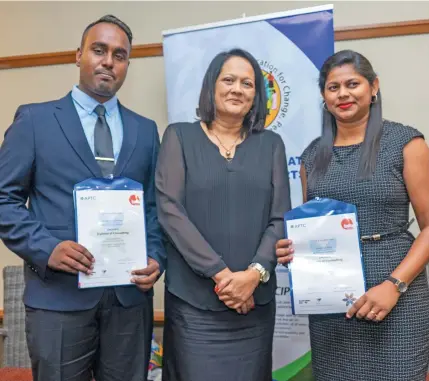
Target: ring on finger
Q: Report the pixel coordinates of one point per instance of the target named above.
(372, 312)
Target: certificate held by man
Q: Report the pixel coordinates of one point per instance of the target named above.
(326, 272)
(110, 223)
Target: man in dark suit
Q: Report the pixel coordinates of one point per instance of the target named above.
(72, 333)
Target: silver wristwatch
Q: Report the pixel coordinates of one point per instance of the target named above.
(400, 285)
(264, 274)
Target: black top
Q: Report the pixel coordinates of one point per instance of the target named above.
(219, 214)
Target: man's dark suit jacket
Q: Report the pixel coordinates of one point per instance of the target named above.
(44, 154)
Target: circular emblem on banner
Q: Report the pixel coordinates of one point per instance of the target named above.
(272, 91)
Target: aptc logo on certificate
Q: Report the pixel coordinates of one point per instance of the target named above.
(110, 223)
(326, 272)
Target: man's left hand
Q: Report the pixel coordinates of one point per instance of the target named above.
(145, 279)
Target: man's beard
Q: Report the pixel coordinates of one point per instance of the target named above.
(104, 90)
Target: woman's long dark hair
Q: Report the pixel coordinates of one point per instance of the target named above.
(371, 143)
(255, 118)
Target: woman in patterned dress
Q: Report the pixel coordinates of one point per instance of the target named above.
(380, 166)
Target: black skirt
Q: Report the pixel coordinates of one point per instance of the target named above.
(201, 345)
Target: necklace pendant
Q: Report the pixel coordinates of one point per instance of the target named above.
(228, 153)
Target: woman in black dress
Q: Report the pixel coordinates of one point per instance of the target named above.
(379, 166)
(222, 188)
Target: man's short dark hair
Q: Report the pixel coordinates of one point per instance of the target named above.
(254, 121)
(110, 19)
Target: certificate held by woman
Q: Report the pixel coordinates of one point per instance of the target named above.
(326, 273)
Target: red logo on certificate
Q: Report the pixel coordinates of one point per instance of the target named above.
(134, 200)
(347, 223)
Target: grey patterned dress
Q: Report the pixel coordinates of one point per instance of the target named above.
(396, 349)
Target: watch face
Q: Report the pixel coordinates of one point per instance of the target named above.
(402, 287)
(266, 277)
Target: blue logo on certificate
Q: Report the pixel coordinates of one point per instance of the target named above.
(349, 299)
